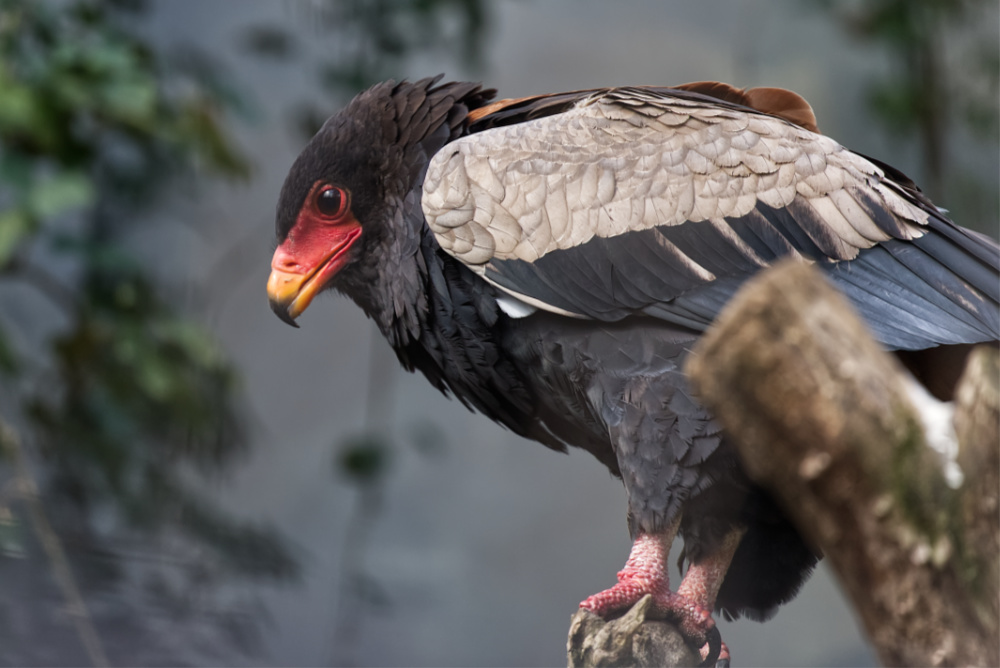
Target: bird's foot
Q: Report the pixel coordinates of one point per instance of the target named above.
(645, 573)
(610, 602)
(698, 627)
(690, 607)
(694, 622)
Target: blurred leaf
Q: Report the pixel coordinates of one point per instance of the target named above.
(199, 123)
(8, 357)
(18, 105)
(375, 39)
(363, 459)
(15, 171)
(981, 106)
(11, 535)
(923, 93)
(14, 227)
(64, 191)
(307, 120)
(132, 99)
(248, 549)
(897, 102)
(131, 400)
(98, 255)
(269, 42)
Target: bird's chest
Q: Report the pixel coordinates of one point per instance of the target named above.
(590, 378)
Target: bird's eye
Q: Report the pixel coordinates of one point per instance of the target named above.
(330, 201)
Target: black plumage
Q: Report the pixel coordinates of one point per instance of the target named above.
(596, 361)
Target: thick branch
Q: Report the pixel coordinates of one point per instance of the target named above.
(977, 422)
(823, 419)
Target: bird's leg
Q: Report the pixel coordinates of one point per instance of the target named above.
(700, 586)
(645, 572)
(690, 607)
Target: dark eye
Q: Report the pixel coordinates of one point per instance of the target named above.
(330, 201)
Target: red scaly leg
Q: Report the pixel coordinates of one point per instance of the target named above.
(701, 584)
(691, 607)
(645, 572)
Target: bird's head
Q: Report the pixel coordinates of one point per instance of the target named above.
(327, 205)
(349, 210)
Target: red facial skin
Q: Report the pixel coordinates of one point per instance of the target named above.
(315, 250)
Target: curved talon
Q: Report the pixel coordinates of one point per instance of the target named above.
(724, 658)
(714, 641)
(690, 607)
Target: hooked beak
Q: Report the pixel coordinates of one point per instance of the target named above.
(295, 281)
(284, 290)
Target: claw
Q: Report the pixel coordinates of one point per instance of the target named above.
(714, 642)
(690, 607)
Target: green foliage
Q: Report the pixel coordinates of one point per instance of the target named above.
(130, 396)
(88, 112)
(391, 30)
(133, 373)
(915, 32)
(364, 459)
(8, 359)
(945, 75)
(11, 534)
(374, 39)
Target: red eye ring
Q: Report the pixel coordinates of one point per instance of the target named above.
(331, 201)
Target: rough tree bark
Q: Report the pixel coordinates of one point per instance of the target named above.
(823, 418)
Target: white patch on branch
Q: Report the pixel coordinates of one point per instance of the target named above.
(939, 431)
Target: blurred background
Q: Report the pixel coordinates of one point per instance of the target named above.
(185, 480)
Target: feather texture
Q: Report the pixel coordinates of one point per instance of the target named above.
(632, 159)
(662, 201)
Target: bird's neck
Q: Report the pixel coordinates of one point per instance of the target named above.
(395, 289)
(429, 289)
(442, 320)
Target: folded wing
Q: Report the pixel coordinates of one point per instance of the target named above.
(660, 202)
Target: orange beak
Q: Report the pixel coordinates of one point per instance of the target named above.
(286, 294)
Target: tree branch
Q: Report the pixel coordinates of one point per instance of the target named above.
(75, 605)
(823, 418)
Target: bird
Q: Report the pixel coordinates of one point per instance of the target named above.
(550, 261)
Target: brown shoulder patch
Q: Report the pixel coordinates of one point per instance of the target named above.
(493, 107)
(718, 90)
(519, 110)
(778, 102)
(784, 103)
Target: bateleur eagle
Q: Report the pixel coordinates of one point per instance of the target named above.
(551, 260)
